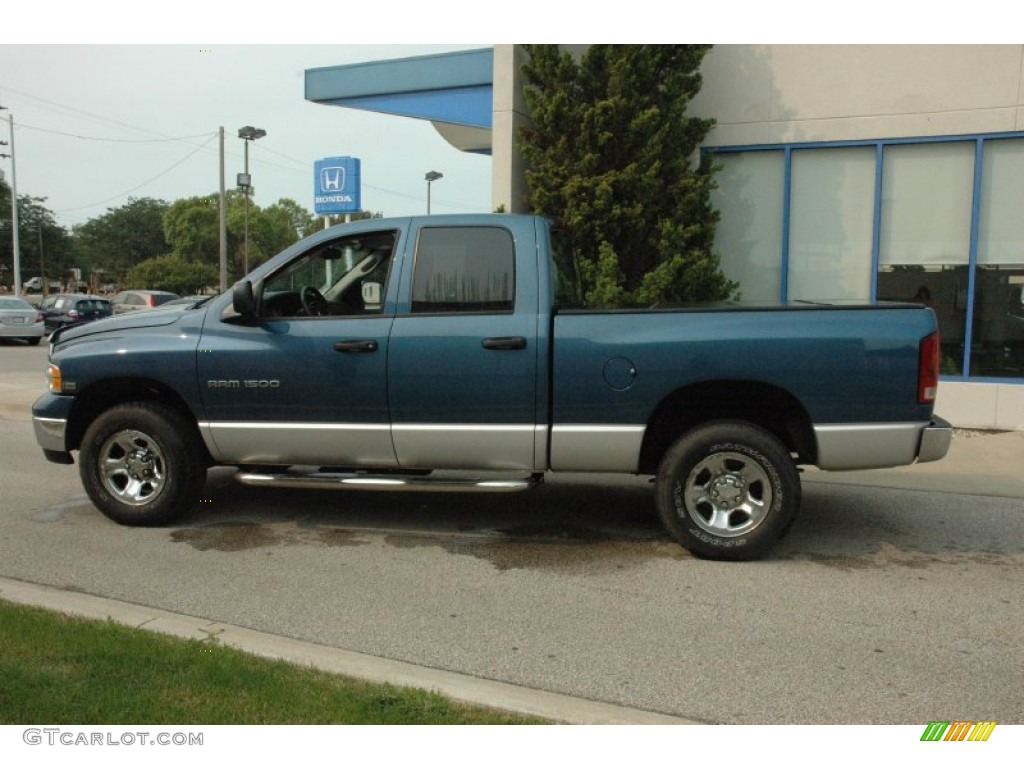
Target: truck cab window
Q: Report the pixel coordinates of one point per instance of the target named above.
(464, 269)
(347, 276)
(565, 274)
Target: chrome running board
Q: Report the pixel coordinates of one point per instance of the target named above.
(358, 481)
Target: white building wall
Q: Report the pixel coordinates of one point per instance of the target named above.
(792, 93)
(508, 184)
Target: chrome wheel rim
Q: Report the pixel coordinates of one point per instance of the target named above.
(726, 494)
(132, 467)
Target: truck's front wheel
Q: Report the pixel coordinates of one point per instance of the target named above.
(140, 464)
(728, 490)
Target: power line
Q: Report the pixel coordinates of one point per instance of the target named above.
(148, 181)
(107, 139)
(81, 112)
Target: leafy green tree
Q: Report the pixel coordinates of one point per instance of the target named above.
(611, 156)
(173, 272)
(191, 227)
(272, 229)
(44, 245)
(121, 238)
(301, 221)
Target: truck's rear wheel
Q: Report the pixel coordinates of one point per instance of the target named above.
(728, 490)
(140, 464)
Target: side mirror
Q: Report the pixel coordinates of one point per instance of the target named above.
(243, 300)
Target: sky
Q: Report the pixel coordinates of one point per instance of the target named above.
(96, 125)
(111, 102)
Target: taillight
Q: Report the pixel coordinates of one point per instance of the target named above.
(928, 369)
(73, 314)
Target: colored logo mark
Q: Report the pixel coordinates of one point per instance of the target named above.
(958, 730)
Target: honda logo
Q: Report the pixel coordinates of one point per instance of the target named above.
(332, 179)
(336, 185)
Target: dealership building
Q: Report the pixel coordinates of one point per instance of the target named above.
(848, 172)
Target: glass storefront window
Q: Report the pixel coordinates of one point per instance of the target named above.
(749, 235)
(831, 223)
(997, 329)
(925, 235)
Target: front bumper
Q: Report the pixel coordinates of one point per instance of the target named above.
(50, 422)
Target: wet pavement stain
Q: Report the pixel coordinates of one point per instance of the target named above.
(546, 548)
(888, 555)
(550, 547)
(229, 537)
(57, 512)
(341, 537)
(242, 536)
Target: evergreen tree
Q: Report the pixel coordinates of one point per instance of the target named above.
(613, 157)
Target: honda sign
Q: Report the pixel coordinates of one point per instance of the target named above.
(336, 185)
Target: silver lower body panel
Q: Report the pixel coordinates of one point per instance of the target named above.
(875, 446)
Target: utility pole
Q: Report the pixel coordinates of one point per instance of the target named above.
(223, 221)
(14, 212)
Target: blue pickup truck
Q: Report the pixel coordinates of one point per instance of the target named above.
(452, 353)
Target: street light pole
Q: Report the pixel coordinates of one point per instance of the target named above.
(247, 134)
(431, 177)
(14, 212)
(222, 208)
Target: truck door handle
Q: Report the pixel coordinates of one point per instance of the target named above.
(504, 342)
(356, 345)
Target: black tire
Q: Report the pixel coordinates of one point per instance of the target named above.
(141, 464)
(34, 341)
(728, 490)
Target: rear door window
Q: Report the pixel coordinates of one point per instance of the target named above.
(464, 269)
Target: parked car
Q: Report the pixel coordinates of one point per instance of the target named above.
(20, 320)
(32, 285)
(130, 301)
(186, 302)
(73, 308)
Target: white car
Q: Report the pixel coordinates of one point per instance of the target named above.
(20, 320)
(32, 285)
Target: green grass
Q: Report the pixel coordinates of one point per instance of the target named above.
(63, 670)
